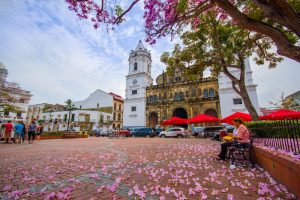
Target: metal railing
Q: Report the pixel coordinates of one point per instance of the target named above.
(283, 135)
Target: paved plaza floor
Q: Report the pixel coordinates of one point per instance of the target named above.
(130, 168)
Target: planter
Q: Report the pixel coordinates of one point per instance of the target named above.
(283, 169)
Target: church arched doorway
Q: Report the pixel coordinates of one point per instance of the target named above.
(182, 113)
(153, 120)
(211, 112)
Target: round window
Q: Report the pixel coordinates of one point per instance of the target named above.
(134, 81)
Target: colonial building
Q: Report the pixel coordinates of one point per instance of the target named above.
(292, 101)
(137, 80)
(181, 96)
(13, 95)
(94, 112)
(230, 101)
(118, 102)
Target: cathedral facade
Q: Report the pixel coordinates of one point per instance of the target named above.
(177, 95)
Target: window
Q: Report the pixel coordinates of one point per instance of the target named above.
(134, 81)
(101, 118)
(65, 117)
(155, 99)
(80, 107)
(114, 116)
(237, 101)
(115, 106)
(133, 108)
(205, 93)
(97, 105)
(135, 66)
(134, 91)
(119, 117)
(181, 96)
(120, 107)
(148, 68)
(176, 97)
(211, 92)
(73, 117)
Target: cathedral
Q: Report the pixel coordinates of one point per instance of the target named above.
(176, 94)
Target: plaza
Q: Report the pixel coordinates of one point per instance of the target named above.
(130, 168)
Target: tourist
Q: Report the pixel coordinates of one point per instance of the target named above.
(8, 131)
(40, 130)
(18, 132)
(32, 128)
(23, 132)
(242, 136)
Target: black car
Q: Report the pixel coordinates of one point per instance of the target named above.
(145, 132)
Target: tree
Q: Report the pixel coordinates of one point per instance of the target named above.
(69, 106)
(218, 45)
(277, 19)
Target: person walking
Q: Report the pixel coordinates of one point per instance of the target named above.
(8, 131)
(23, 133)
(18, 132)
(40, 130)
(32, 128)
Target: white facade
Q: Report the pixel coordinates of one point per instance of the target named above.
(230, 101)
(58, 121)
(97, 99)
(138, 78)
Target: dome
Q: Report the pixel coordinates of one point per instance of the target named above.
(2, 66)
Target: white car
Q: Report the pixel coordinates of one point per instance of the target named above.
(174, 132)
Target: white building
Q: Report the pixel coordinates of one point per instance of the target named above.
(95, 112)
(18, 97)
(138, 78)
(230, 101)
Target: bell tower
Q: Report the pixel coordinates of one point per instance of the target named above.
(138, 78)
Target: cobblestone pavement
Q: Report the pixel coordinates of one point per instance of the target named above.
(130, 168)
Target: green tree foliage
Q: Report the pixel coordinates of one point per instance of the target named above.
(218, 45)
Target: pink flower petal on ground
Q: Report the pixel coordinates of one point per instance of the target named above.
(230, 197)
(6, 187)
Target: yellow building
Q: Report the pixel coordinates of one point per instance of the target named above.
(180, 96)
(118, 102)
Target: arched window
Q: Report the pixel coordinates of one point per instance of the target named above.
(148, 68)
(155, 99)
(151, 99)
(205, 93)
(176, 97)
(211, 92)
(120, 107)
(114, 116)
(135, 66)
(119, 117)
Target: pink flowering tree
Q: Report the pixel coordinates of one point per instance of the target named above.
(277, 19)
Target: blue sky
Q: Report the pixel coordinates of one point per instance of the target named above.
(56, 56)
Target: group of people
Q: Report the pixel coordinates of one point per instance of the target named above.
(20, 132)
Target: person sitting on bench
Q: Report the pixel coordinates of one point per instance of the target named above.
(242, 136)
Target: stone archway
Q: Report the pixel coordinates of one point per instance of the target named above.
(211, 112)
(153, 120)
(182, 113)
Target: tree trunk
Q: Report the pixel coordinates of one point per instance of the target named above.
(247, 101)
(242, 90)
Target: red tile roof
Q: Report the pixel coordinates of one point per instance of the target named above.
(116, 97)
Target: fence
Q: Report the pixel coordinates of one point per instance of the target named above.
(284, 135)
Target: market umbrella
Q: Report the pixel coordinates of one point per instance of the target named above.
(203, 118)
(244, 116)
(281, 115)
(175, 121)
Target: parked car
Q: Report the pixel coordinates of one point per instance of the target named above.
(174, 132)
(134, 130)
(148, 132)
(124, 132)
(229, 127)
(158, 130)
(209, 131)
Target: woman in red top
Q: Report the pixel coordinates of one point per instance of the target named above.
(242, 136)
(8, 130)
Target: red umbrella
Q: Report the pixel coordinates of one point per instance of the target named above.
(175, 121)
(281, 115)
(203, 118)
(244, 116)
